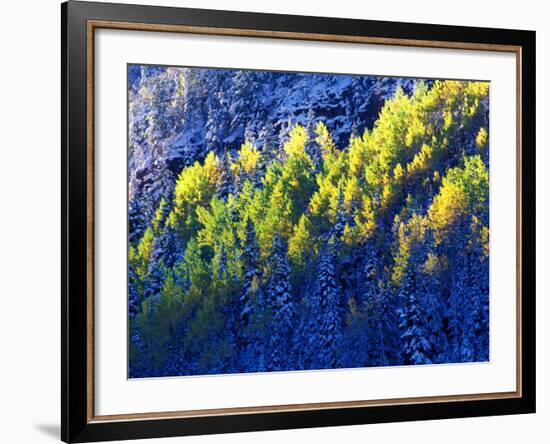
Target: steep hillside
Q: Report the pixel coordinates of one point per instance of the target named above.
(295, 222)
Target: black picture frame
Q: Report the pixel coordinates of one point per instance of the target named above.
(76, 326)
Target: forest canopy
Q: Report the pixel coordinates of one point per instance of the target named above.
(305, 250)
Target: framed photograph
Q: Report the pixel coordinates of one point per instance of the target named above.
(276, 221)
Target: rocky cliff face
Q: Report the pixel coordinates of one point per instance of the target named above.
(177, 115)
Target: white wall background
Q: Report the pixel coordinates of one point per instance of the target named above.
(30, 221)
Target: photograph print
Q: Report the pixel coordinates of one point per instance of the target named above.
(292, 221)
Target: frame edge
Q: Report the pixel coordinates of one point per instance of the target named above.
(75, 426)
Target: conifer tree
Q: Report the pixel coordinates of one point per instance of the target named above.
(156, 273)
(432, 296)
(340, 220)
(372, 298)
(226, 183)
(134, 299)
(415, 347)
(281, 304)
(251, 301)
(268, 143)
(327, 312)
(480, 275)
(165, 248)
(312, 147)
(252, 276)
(138, 217)
(478, 292)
